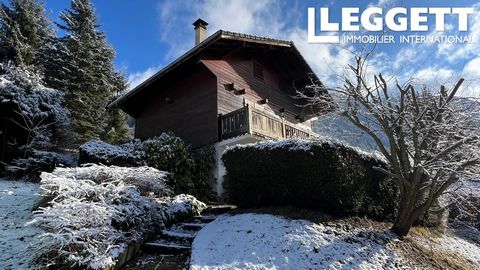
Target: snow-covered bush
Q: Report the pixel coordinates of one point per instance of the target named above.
(31, 115)
(148, 181)
(321, 174)
(31, 167)
(99, 152)
(190, 170)
(182, 206)
(94, 215)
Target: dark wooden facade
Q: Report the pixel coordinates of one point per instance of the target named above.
(188, 108)
(221, 75)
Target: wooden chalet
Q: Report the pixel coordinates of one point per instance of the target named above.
(230, 88)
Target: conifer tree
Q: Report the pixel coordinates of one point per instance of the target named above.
(90, 79)
(25, 33)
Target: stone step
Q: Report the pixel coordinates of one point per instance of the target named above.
(206, 219)
(177, 235)
(219, 209)
(201, 219)
(191, 226)
(165, 247)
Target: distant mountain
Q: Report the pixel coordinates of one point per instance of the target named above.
(341, 129)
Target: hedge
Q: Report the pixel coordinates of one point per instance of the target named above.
(329, 176)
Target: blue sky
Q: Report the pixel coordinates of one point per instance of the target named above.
(149, 34)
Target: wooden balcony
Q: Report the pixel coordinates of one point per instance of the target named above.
(249, 120)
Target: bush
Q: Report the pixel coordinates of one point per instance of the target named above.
(99, 152)
(31, 167)
(148, 181)
(328, 176)
(95, 215)
(31, 114)
(190, 170)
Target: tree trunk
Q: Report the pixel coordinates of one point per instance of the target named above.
(401, 227)
(404, 221)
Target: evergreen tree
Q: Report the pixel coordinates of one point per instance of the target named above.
(86, 60)
(25, 33)
(117, 127)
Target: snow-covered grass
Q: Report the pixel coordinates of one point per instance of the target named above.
(16, 203)
(457, 249)
(259, 241)
(454, 244)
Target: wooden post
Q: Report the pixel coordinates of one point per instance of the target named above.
(248, 111)
(220, 127)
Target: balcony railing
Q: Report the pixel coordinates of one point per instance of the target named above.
(248, 120)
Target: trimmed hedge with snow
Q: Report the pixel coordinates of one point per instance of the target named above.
(96, 212)
(99, 152)
(321, 174)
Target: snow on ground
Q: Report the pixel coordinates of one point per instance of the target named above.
(254, 241)
(468, 250)
(16, 202)
(454, 244)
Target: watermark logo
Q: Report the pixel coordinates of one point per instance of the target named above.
(398, 19)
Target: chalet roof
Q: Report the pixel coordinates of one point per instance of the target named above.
(212, 42)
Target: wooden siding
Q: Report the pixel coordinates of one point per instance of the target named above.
(191, 113)
(239, 70)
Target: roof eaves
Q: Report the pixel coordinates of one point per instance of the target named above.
(256, 39)
(220, 34)
(305, 61)
(166, 69)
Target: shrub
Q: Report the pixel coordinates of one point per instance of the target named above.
(190, 170)
(325, 175)
(31, 167)
(95, 215)
(99, 152)
(148, 181)
(31, 115)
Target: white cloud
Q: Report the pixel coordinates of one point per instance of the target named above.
(249, 16)
(269, 17)
(471, 73)
(382, 4)
(434, 76)
(256, 17)
(455, 52)
(137, 78)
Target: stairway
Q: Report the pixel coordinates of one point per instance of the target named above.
(171, 248)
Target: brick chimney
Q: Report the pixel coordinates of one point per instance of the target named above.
(200, 30)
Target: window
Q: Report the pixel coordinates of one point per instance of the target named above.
(257, 70)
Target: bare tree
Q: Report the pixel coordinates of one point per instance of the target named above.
(429, 138)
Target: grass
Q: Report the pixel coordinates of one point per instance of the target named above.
(427, 232)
